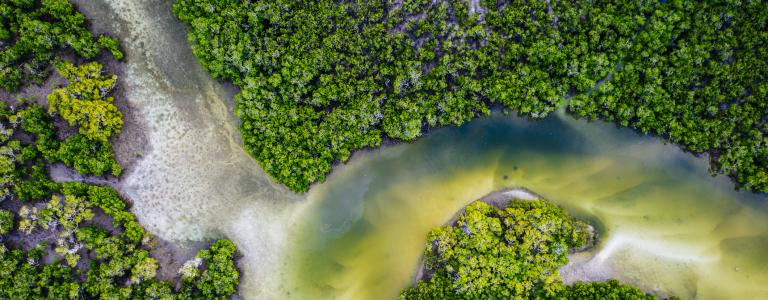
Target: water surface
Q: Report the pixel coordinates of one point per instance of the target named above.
(667, 225)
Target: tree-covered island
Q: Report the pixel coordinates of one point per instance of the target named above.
(509, 252)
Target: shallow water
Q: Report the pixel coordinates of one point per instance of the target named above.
(667, 226)
(195, 182)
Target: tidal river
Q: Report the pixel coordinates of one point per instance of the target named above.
(666, 225)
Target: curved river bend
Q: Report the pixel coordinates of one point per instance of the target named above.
(667, 226)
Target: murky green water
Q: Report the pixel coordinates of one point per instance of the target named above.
(667, 225)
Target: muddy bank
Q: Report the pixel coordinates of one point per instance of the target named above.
(132, 142)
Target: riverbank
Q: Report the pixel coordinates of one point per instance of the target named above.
(130, 146)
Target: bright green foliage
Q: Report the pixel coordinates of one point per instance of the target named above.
(65, 217)
(83, 102)
(320, 79)
(219, 279)
(108, 201)
(87, 156)
(611, 289)
(33, 31)
(67, 213)
(511, 253)
(145, 268)
(9, 176)
(493, 253)
(111, 45)
(6, 221)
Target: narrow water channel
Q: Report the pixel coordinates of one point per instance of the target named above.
(666, 225)
(195, 182)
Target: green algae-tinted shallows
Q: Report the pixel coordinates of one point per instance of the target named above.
(667, 226)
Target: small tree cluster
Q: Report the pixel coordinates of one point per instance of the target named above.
(32, 32)
(84, 101)
(510, 253)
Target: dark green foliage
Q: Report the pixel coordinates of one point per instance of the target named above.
(88, 156)
(33, 31)
(320, 79)
(694, 72)
(10, 154)
(22, 277)
(511, 253)
(220, 277)
(24, 168)
(33, 182)
(34, 120)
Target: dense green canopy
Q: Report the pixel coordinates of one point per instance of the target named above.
(510, 253)
(85, 100)
(34, 32)
(88, 156)
(320, 79)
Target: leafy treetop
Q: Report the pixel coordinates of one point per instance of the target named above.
(510, 253)
(320, 79)
(84, 101)
(32, 32)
